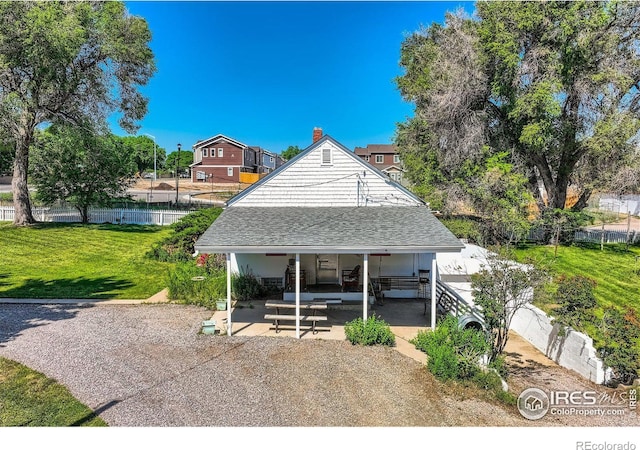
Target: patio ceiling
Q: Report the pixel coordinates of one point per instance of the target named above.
(380, 229)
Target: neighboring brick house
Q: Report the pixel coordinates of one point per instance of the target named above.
(221, 159)
(386, 158)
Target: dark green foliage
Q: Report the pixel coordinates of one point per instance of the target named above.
(464, 228)
(179, 246)
(619, 348)
(373, 331)
(576, 300)
(454, 353)
(291, 152)
(246, 286)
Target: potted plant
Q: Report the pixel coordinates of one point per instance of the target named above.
(221, 304)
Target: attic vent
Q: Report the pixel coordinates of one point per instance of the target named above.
(326, 156)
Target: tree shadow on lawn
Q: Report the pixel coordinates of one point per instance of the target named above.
(68, 288)
(130, 228)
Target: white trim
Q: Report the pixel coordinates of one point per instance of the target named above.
(229, 169)
(297, 295)
(220, 152)
(381, 157)
(219, 138)
(365, 286)
(433, 280)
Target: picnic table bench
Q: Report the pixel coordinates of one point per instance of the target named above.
(310, 315)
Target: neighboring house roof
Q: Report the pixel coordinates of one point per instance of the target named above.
(292, 181)
(376, 148)
(384, 229)
(397, 168)
(311, 206)
(218, 138)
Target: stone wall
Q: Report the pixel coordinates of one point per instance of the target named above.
(574, 350)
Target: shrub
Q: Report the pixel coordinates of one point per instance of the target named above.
(575, 299)
(619, 349)
(179, 245)
(373, 331)
(194, 285)
(454, 353)
(464, 228)
(246, 286)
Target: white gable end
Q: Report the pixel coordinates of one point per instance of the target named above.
(326, 176)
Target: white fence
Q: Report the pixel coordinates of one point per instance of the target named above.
(119, 216)
(620, 203)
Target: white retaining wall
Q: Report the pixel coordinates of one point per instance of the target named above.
(574, 350)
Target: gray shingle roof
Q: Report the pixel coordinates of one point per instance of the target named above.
(327, 229)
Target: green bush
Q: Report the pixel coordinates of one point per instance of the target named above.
(373, 331)
(194, 285)
(179, 245)
(246, 286)
(454, 353)
(464, 228)
(619, 347)
(575, 299)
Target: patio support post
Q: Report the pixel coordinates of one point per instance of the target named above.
(229, 294)
(365, 286)
(297, 295)
(434, 280)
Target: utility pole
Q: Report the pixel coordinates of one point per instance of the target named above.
(177, 174)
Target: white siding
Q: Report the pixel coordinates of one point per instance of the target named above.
(344, 182)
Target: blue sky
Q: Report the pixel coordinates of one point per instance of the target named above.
(267, 73)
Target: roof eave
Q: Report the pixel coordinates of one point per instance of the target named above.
(327, 249)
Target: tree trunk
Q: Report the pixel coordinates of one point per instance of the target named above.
(21, 200)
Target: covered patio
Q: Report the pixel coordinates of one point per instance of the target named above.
(393, 241)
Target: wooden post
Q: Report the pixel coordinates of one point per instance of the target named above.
(628, 229)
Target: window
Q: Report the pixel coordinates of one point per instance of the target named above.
(392, 176)
(399, 177)
(204, 152)
(220, 153)
(368, 158)
(201, 176)
(326, 156)
(229, 171)
(396, 159)
(379, 159)
(270, 158)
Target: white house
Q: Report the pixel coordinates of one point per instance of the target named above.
(310, 223)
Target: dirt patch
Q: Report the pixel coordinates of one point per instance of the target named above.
(164, 187)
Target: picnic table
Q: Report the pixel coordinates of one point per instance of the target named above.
(310, 309)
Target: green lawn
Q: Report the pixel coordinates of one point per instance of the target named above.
(614, 269)
(80, 261)
(28, 398)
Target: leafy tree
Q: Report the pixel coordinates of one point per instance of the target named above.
(186, 159)
(73, 165)
(501, 289)
(552, 84)
(67, 62)
(6, 158)
(290, 152)
(141, 149)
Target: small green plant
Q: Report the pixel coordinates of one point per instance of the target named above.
(373, 331)
(246, 286)
(619, 346)
(454, 353)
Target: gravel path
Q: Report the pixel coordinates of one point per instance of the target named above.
(148, 366)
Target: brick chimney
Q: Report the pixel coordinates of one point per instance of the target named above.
(317, 134)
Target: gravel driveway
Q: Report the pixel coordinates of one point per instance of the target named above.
(147, 366)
